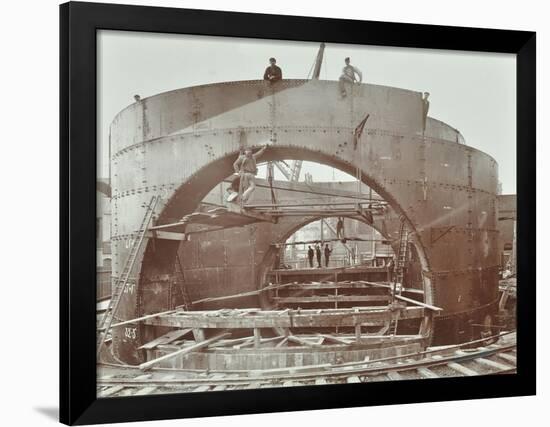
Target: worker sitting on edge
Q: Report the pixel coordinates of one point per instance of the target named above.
(273, 73)
(348, 76)
(246, 167)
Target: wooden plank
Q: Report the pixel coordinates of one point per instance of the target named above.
(493, 364)
(139, 319)
(145, 390)
(230, 343)
(235, 209)
(329, 272)
(166, 226)
(118, 389)
(260, 312)
(421, 304)
(508, 357)
(394, 375)
(270, 319)
(328, 285)
(198, 333)
(334, 339)
(266, 321)
(413, 291)
(249, 341)
(201, 389)
(219, 387)
(282, 342)
(331, 298)
(301, 341)
(150, 389)
(165, 339)
(462, 369)
(184, 350)
(352, 380)
(166, 235)
(111, 390)
(257, 338)
(255, 384)
(320, 381)
(427, 373)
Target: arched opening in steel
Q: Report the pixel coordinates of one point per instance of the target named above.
(160, 255)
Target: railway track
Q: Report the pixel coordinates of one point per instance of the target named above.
(449, 361)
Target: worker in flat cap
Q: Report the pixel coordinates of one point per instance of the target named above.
(273, 73)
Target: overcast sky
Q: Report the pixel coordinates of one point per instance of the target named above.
(472, 92)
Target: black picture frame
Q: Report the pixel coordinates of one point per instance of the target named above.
(78, 25)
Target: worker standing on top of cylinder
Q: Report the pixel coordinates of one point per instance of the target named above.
(273, 73)
(246, 167)
(348, 76)
(425, 109)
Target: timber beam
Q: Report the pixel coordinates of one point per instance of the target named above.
(284, 318)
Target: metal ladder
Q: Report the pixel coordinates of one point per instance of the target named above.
(392, 330)
(122, 279)
(401, 256)
(180, 283)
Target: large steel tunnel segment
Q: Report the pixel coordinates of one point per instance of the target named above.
(160, 255)
(446, 190)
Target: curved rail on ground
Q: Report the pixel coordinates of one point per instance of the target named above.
(449, 361)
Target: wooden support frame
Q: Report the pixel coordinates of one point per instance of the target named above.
(149, 364)
(293, 318)
(298, 340)
(165, 339)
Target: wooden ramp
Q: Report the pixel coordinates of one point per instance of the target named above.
(218, 218)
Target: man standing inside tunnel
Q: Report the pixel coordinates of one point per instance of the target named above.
(340, 228)
(318, 255)
(310, 256)
(328, 251)
(247, 168)
(390, 269)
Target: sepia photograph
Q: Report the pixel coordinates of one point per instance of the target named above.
(276, 213)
